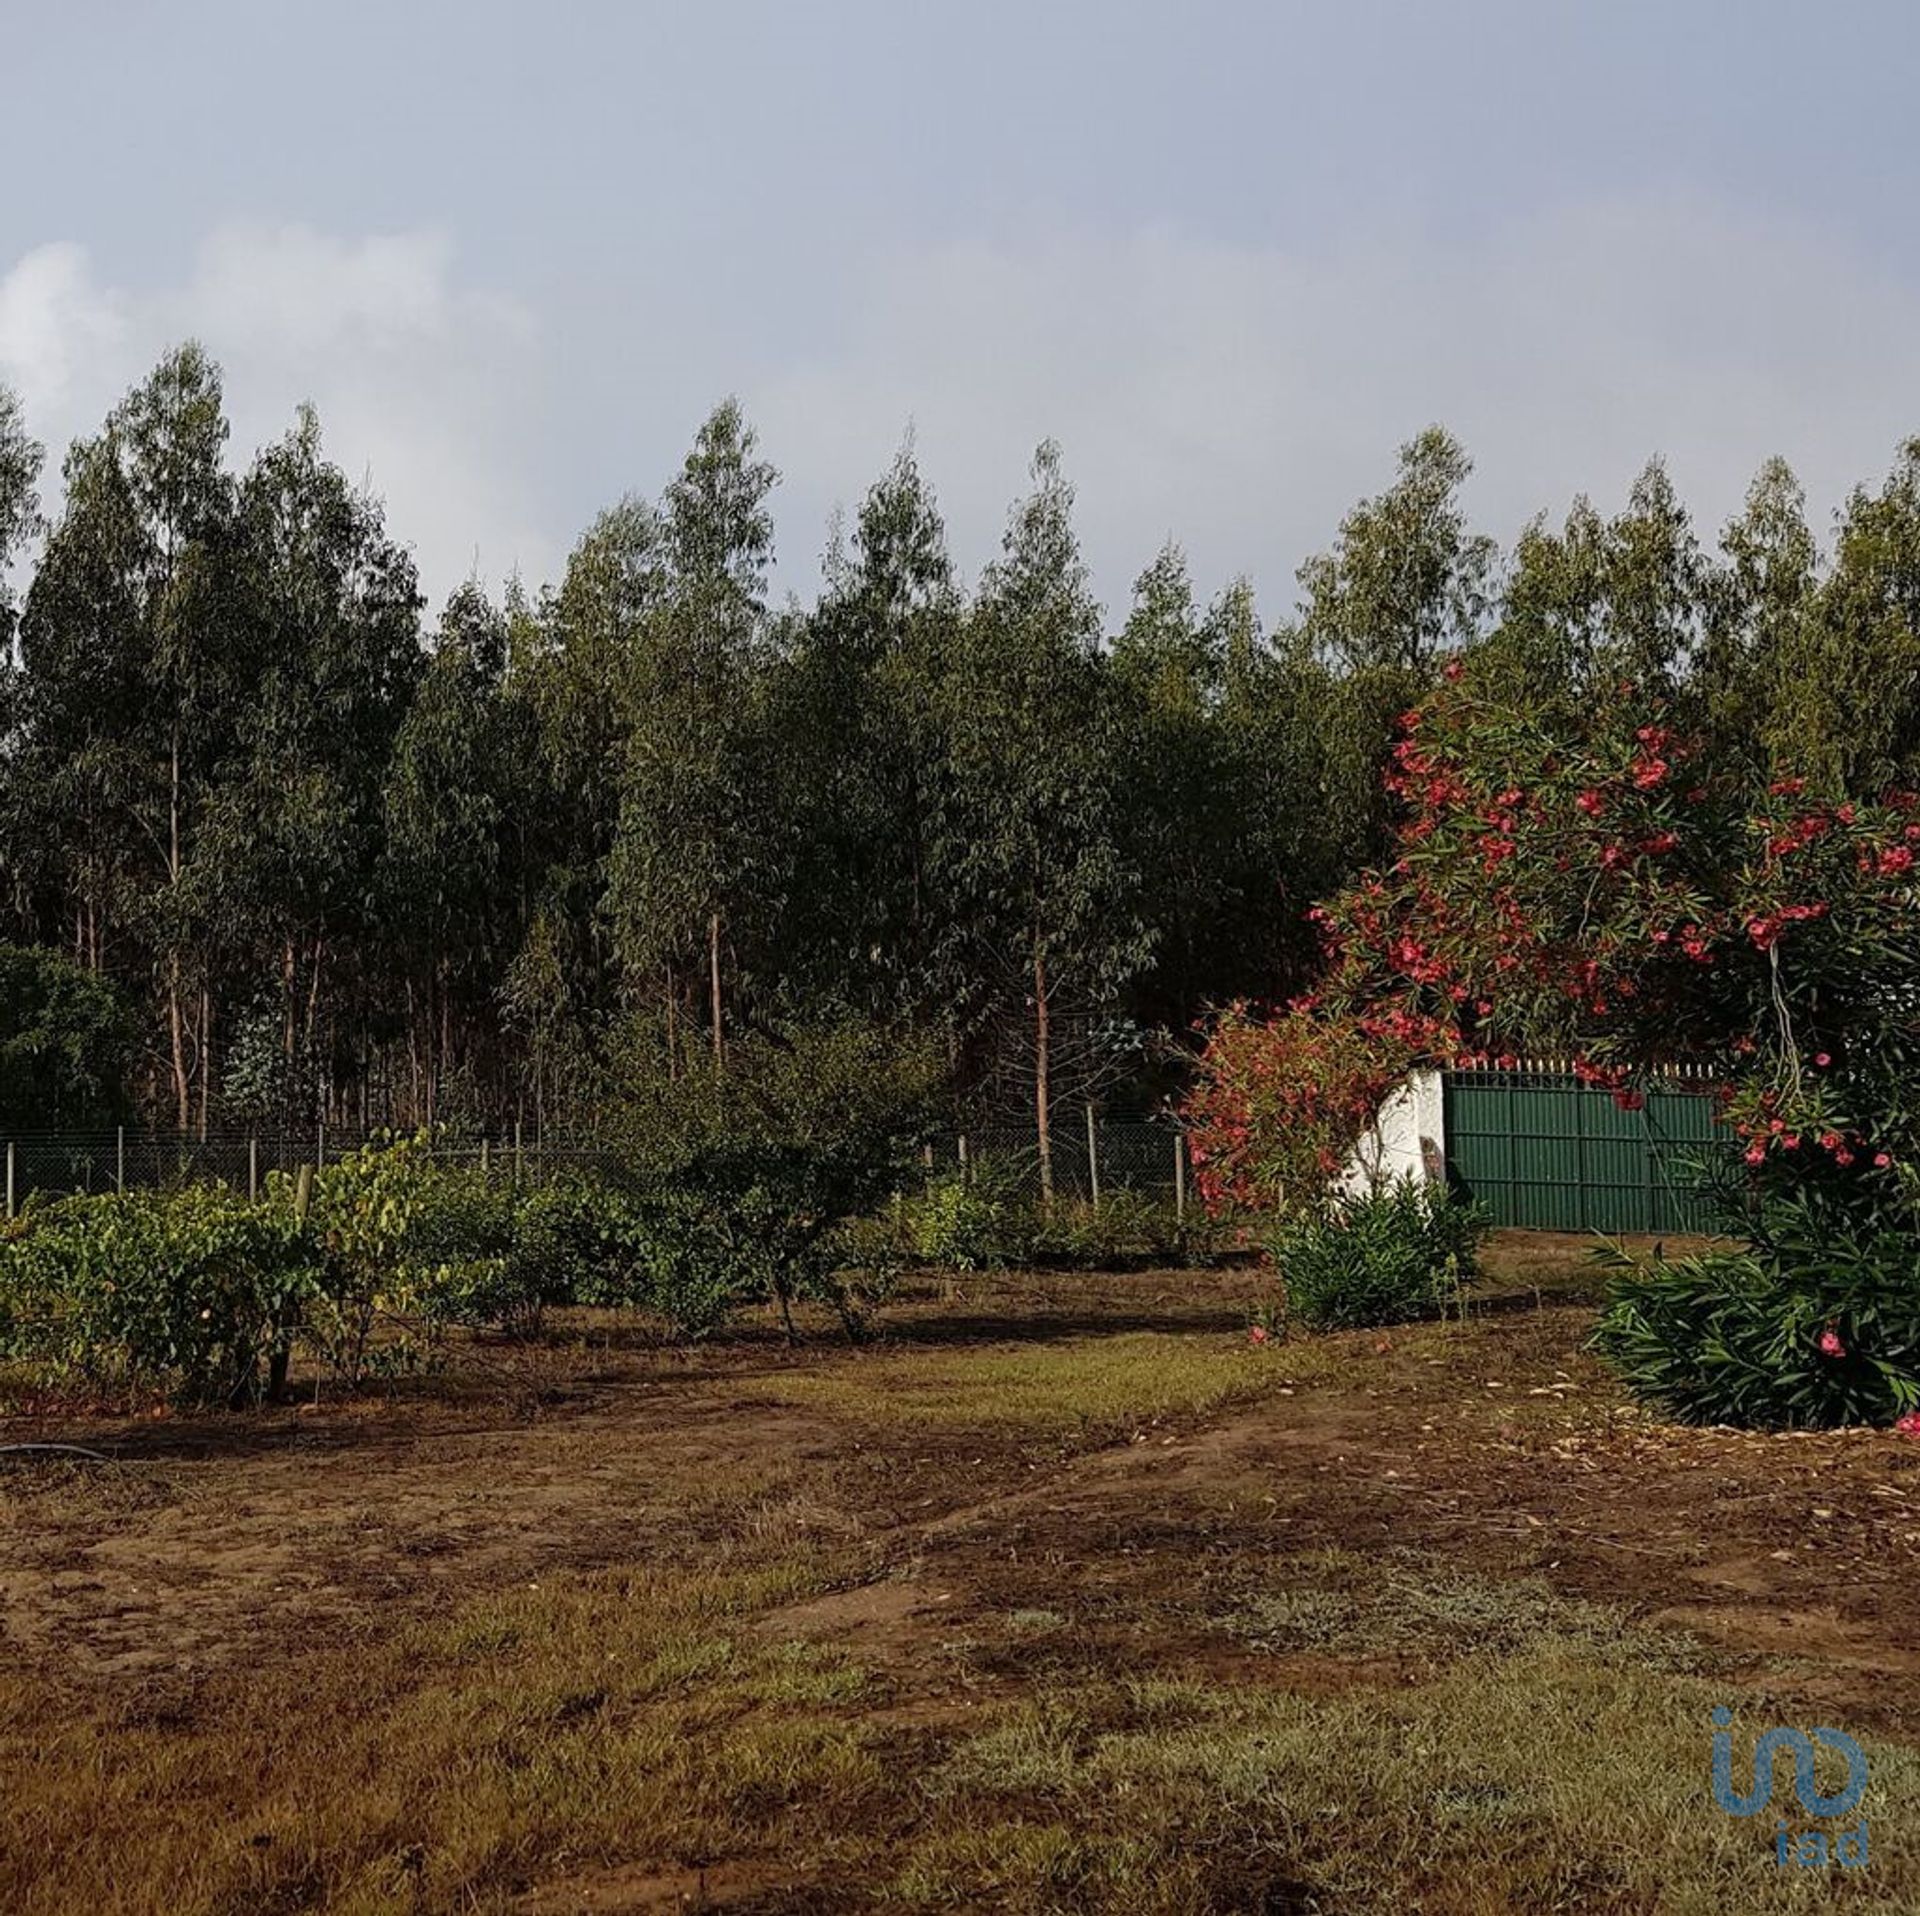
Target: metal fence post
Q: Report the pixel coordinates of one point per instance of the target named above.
(1179, 1176)
(516, 1151)
(253, 1170)
(120, 1160)
(483, 1159)
(9, 1178)
(965, 1174)
(1093, 1159)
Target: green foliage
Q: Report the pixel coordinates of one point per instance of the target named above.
(984, 1221)
(64, 1043)
(1126, 1230)
(1385, 1257)
(745, 1179)
(969, 1221)
(187, 1292)
(1810, 1328)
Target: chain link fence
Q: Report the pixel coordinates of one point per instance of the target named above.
(69, 1163)
(1090, 1158)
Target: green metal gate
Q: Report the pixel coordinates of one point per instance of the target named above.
(1543, 1151)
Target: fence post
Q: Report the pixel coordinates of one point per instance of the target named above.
(926, 1161)
(1179, 1176)
(483, 1158)
(1093, 1159)
(120, 1160)
(253, 1170)
(516, 1151)
(9, 1178)
(965, 1175)
(320, 1145)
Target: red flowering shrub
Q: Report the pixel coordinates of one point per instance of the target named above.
(1614, 899)
(1611, 899)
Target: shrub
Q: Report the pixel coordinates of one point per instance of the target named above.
(1822, 1336)
(363, 1208)
(970, 1221)
(462, 1258)
(744, 1181)
(189, 1292)
(1126, 1230)
(1404, 1252)
(694, 1262)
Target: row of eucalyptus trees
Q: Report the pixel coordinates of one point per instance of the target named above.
(348, 859)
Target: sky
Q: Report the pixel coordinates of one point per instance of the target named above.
(1229, 253)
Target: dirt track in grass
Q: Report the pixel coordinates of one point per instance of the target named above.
(1026, 1486)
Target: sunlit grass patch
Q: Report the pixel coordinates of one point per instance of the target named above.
(1127, 1379)
(587, 1717)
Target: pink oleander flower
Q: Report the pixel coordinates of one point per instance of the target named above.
(1909, 1425)
(1830, 1344)
(1257, 1335)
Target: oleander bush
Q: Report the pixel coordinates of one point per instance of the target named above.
(1815, 1322)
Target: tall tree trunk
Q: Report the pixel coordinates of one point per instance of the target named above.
(177, 1039)
(1042, 1088)
(713, 963)
(287, 980)
(206, 1056)
(176, 1020)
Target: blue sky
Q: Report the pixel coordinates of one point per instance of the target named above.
(1230, 255)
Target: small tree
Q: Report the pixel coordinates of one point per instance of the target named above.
(808, 1131)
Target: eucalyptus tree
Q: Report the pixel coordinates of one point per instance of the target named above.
(1406, 584)
(134, 686)
(1168, 672)
(1407, 581)
(1029, 846)
(332, 609)
(20, 461)
(687, 871)
(852, 716)
(1850, 695)
(447, 897)
(1758, 602)
(572, 671)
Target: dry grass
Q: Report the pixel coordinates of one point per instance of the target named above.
(1042, 1683)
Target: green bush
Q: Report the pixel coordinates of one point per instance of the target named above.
(191, 1292)
(1385, 1258)
(969, 1221)
(1126, 1230)
(1777, 1337)
(688, 1260)
(745, 1182)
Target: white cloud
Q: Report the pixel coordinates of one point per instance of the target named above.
(56, 327)
(1238, 396)
(425, 387)
(1241, 398)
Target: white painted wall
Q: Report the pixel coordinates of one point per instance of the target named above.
(1408, 1138)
